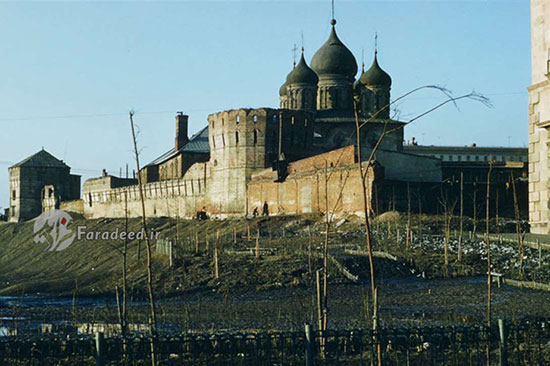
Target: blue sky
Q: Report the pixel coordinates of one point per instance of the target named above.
(71, 71)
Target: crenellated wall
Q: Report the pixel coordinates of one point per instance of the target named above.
(175, 197)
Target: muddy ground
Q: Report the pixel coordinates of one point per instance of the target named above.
(275, 291)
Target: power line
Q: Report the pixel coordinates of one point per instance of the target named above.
(100, 115)
(78, 170)
(484, 94)
(97, 115)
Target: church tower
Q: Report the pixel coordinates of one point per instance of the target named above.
(301, 85)
(373, 91)
(539, 118)
(336, 68)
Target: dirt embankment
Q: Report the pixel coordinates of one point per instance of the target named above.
(94, 266)
(290, 248)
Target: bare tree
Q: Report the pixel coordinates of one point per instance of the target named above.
(448, 211)
(364, 168)
(153, 317)
(461, 220)
(420, 227)
(474, 208)
(487, 218)
(408, 231)
(518, 224)
(122, 305)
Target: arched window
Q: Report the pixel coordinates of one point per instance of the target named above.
(292, 120)
(237, 120)
(255, 137)
(274, 118)
(213, 141)
(255, 118)
(236, 137)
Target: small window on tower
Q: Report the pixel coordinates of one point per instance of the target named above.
(255, 137)
(292, 120)
(255, 118)
(274, 118)
(237, 119)
(13, 195)
(236, 137)
(305, 122)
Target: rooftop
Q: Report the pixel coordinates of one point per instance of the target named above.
(41, 159)
(198, 143)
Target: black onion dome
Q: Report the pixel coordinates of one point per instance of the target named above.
(334, 58)
(302, 74)
(282, 90)
(375, 75)
(357, 86)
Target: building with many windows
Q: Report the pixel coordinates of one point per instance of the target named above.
(471, 153)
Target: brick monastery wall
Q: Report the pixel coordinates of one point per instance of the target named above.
(331, 179)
